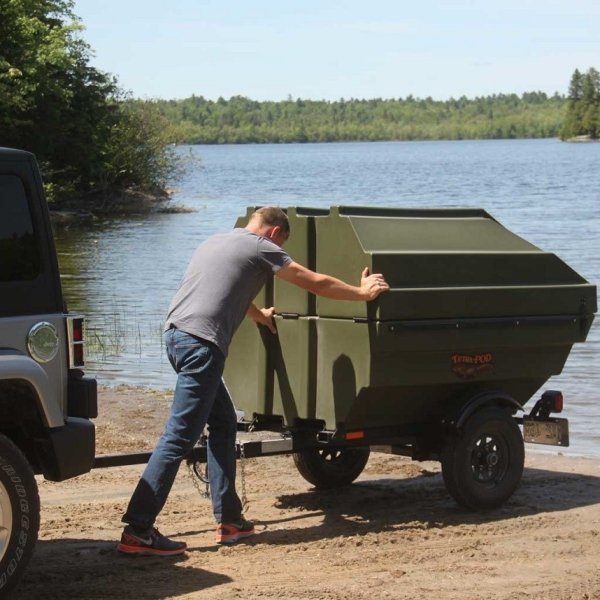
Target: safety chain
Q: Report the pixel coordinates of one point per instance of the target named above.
(197, 477)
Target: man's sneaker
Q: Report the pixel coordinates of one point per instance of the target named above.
(149, 543)
(229, 533)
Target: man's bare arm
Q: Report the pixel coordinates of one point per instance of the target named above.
(331, 287)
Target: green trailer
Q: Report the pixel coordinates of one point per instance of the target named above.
(440, 367)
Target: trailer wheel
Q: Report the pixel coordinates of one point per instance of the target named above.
(19, 513)
(332, 467)
(482, 465)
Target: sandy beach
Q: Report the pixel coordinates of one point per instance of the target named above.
(395, 533)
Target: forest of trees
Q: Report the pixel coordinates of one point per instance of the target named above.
(197, 120)
(87, 138)
(583, 109)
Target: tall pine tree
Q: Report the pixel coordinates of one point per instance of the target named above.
(583, 108)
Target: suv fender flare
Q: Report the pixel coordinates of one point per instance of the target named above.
(457, 418)
(23, 368)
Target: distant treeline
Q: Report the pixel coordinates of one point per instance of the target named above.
(583, 109)
(197, 120)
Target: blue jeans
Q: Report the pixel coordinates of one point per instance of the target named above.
(200, 398)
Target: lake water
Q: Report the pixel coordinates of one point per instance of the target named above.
(122, 274)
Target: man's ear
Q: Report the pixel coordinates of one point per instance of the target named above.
(274, 232)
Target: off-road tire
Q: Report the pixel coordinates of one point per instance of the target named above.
(331, 468)
(482, 464)
(19, 514)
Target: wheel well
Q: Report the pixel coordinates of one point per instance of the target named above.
(429, 445)
(20, 418)
(465, 409)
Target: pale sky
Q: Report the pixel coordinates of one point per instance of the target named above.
(329, 49)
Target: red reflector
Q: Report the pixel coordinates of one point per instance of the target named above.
(77, 330)
(355, 435)
(558, 403)
(78, 355)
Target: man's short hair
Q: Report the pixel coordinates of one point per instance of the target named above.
(272, 216)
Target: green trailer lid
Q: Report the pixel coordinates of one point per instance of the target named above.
(443, 263)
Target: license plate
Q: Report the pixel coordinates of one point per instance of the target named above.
(553, 432)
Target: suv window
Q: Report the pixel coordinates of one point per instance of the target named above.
(19, 256)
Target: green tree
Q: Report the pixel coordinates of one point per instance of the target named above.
(71, 115)
(583, 108)
(591, 102)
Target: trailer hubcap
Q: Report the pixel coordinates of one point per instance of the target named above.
(6, 520)
(488, 460)
(492, 459)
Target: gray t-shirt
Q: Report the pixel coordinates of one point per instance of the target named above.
(224, 276)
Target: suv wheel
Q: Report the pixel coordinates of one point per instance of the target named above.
(19, 513)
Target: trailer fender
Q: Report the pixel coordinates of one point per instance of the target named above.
(460, 415)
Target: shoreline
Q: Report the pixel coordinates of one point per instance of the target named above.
(123, 203)
(582, 139)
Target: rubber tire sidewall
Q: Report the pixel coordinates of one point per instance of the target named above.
(18, 479)
(456, 460)
(338, 473)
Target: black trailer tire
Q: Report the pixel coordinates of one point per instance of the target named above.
(19, 514)
(482, 465)
(332, 467)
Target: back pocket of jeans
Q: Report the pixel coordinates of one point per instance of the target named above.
(191, 358)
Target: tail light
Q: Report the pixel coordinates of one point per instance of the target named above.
(75, 333)
(551, 402)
